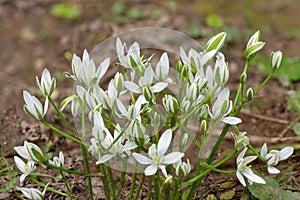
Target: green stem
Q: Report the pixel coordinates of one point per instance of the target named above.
(87, 170)
(132, 187)
(122, 179)
(217, 170)
(111, 181)
(69, 171)
(67, 185)
(49, 188)
(137, 194)
(104, 181)
(256, 153)
(61, 115)
(62, 133)
(156, 189)
(263, 83)
(167, 192)
(200, 176)
(149, 188)
(240, 88)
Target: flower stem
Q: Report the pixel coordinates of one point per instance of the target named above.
(69, 171)
(111, 181)
(239, 93)
(63, 133)
(61, 115)
(138, 190)
(87, 170)
(149, 188)
(122, 179)
(104, 181)
(66, 184)
(49, 188)
(157, 189)
(263, 83)
(132, 187)
(256, 153)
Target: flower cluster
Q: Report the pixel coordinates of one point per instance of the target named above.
(136, 119)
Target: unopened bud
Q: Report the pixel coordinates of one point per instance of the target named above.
(254, 45)
(216, 42)
(169, 179)
(148, 94)
(203, 127)
(183, 141)
(170, 103)
(243, 78)
(241, 141)
(276, 59)
(119, 82)
(250, 94)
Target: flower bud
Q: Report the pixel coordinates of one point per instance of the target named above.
(203, 127)
(119, 82)
(170, 103)
(243, 78)
(276, 59)
(47, 85)
(30, 152)
(33, 106)
(148, 94)
(169, 179)
(254, 45)
(241, 141)
(183, 141)
(216, 42)
(182, 168)
(250, 94)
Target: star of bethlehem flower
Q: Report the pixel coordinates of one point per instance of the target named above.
(132, 57)
(25, 168)
(222, 107)
(254, 45)
(241, 141)
(58, 161)
(243, 170)
(162, 69)
(156, 155)
(32, 193)
(115, 145)
(30, 152)
(47, 85)
(145, 84)
(133, 111)
(276, 59)
(84, 71)
(274, 156)
(33, 106)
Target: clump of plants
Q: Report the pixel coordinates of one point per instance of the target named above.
(140, 126)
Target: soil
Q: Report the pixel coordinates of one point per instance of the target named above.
(32, 39)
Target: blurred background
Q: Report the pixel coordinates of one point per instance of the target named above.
(45, 33)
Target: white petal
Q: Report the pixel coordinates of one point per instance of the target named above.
(129, 146)
(21, 150)
(285, 153)
(150, 170)
(20, 164)
(142, 159)
(22, 178)
(152, 151)
(253, 177)
(173, 157)
(241, 155)
(241, 178)
(103, 68)
(25, 191)
(273, 170)
(121, 108)
(164, 142)
(249, 159)
(264, 150)
(231, 120)
(158, 87)
(148, 76)
(131, 86)
(104, 158)
(163, 169)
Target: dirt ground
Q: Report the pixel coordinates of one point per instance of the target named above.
(31, 38)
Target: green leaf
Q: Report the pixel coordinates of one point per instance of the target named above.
(214, 21)
(294, 103)
(271, 191)
(296, 128)
(65, 11)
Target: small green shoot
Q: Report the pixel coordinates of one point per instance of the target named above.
(65, 11)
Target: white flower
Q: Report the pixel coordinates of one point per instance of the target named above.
(145, 85)
(274, 156)
(136, 132)
(25, 168)
(119, 82)
(99, 130)
(221, 72)
(132, 58)
(222, 107)
(182, 168)
(162, 69)
(108, 97)
(47, 85)
(133, 111)
(157, 158)
(58, 161)
(85, 71)
(32, 193)
(244, 170)
(33, 106)
(26, 151)
(115, 145)
(276, 58)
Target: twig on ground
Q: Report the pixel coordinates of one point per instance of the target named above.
(289, 127)
(263, 117)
